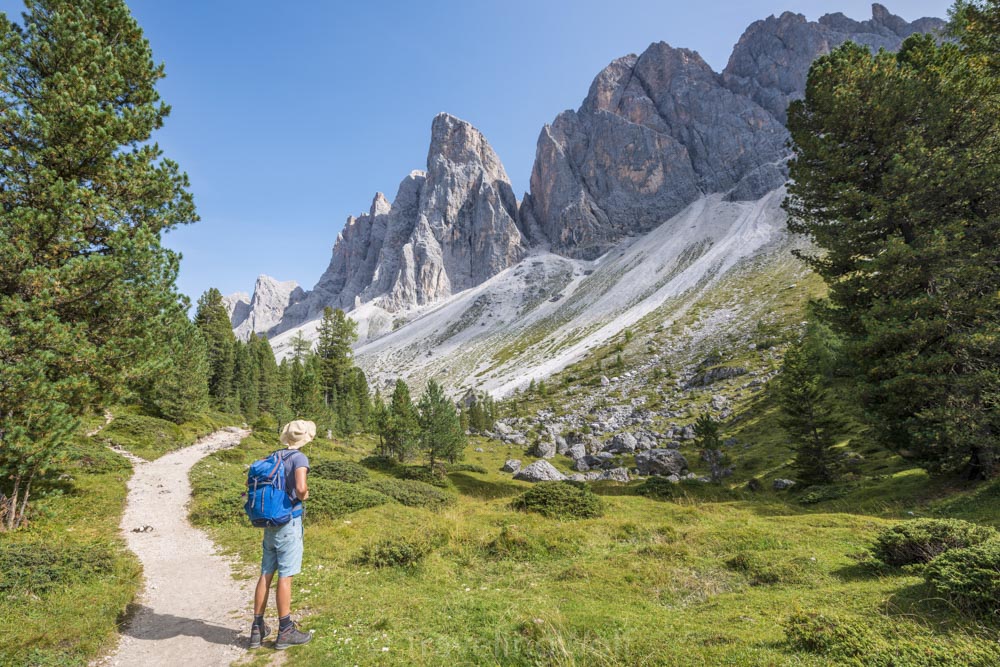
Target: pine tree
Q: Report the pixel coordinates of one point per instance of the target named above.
(897, 161)
(336, 334)
(441, 435)
(708, 437)
(380, 418)
(403, 429)
(246, 380)
(85, 285)
(809, 415)
(216, 329)
(179, 391)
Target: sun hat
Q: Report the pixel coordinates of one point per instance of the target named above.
(297, 433)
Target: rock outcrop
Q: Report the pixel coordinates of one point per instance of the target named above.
(655, 132)
(271, 298)
(659, 130)
(771, 61)
(448, 229)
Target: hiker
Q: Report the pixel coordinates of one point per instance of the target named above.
(282, 544)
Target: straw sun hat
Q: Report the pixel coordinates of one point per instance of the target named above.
(297, 433)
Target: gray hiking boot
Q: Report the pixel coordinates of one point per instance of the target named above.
(259, 633)
(291, 636)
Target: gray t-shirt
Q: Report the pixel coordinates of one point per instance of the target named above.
(293, 459)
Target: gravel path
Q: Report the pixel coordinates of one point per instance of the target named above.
(192, 611)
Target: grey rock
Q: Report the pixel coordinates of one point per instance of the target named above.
(782, 484)
(661, 462)
(271, 298)
(654, 133)
(543, 449)
(687, 433)
(615, 475)
(622, 443)
(771, 60)
(673, 479)
(540, 471)
(511, 465)
(581, 464)
(449, 228)
(713, 375)
(577, 451)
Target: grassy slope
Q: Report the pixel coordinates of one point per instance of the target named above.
(707, 578)
(67, 579)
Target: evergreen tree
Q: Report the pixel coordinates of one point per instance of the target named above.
(301, 348)
(895, 179)
(220, 343)
(441, 435)
(361, 397)
(403, 428)
(808, 414)
(85, 285)
(246, 381)
(380, 422)
(179, 391)
(266, 367)
(337, 333)
(282, 394)
(708, 437)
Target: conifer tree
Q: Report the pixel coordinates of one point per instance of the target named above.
(403, 428)
(220, 343)
(441, 435)
(336, 334)
(708, 436)
(246, 381)
(380, 422)
(808, 413)
(179, 390)
(85, 285)
(897, 161)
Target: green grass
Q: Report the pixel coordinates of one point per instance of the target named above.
(714, 575)
(67, 577)
(150, 438)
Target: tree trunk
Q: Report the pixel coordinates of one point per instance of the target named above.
(24, 499)
(12, 509)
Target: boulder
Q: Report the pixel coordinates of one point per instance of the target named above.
(577, 451)
(543, 449)
(511, 465)
(623, 443)
(615, 475)
(540, 471)
(782, 484)
(661, 462)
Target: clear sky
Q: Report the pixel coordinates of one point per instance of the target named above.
(289, 116)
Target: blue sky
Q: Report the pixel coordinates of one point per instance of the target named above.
(289, 116)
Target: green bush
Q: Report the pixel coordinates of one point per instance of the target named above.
(560, 500)
(380, 463)
(969, 577)
(825, 635)
(922, 540)
(394, 552)
(330, 499)
(412, 493)
(436, 476)
(342, 471)
(93, 457)
(766, 569)
(36, 567)
(659, 488)
(514, 544)
(466, 467)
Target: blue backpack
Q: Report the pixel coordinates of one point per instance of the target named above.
(268, 502)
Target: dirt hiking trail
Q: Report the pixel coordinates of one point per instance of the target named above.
(192, 611)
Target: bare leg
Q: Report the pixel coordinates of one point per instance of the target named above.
(260, 595)
(284, 596)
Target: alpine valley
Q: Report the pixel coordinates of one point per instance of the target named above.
(654, 207)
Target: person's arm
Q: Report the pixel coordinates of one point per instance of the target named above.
(301, 488)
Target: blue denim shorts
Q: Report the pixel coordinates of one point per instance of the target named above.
(283, 549)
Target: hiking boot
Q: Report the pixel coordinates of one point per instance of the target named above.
(259, 633)
(291, 636)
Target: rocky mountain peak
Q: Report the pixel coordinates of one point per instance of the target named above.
(457, 142)
(265, 309)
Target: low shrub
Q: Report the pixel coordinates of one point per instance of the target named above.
(436, 476)
(766, 569)
(821, 494)
(36, 567)
(560, 500)
(394, 552)
(826, 635)
(380, 463)
(412, 493)
(93, 457)
(466, 467)
(341, 471)
(658, 488)
(969, 577)
(330, 499)
(921, 540)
